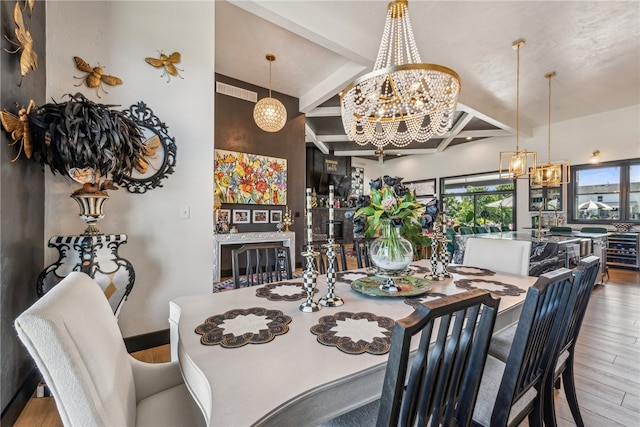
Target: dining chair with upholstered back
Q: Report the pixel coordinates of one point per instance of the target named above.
(74, 338)
(509, 256)
(494, 229)
(514, 390)
(440, 384)
(260, 263)
(479, 229)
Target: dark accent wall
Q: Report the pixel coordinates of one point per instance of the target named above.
(235, 130)
(320, 176)
(21, 213)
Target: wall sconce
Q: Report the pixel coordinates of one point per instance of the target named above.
(595, 158)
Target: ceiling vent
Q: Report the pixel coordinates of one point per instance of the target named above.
(236, 92)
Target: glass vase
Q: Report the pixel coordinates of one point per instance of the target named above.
(391, 253)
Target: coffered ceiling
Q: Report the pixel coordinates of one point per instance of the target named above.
(321, 46)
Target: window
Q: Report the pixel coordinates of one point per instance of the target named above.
(605, 193)
(479, 200)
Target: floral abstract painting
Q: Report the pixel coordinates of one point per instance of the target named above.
(250, 178)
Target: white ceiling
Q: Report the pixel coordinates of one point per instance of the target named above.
(321, 46)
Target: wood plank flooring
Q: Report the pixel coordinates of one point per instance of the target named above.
(607, 364)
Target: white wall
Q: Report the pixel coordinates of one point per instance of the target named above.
(615, 133)
(171, 256)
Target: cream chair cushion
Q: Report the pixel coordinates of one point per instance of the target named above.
(75, 341)
(509, 256)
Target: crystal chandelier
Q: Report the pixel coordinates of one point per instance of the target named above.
(401, 100)
(519, 163)
(550, 174)
(269, 113)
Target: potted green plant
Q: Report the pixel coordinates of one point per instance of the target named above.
(85, 141)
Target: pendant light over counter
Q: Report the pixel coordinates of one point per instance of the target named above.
(519, 163)
(550, 174)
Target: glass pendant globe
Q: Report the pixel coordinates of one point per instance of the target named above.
(270, 114)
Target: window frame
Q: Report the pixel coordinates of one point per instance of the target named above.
(625, 191)
(514, 191)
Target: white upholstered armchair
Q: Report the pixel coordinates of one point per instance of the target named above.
(76, 343)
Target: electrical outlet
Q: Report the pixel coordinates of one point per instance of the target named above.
(184, 212)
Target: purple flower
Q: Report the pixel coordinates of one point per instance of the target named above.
(400, 190)
(396, 222)
(363, 201)
(375, 184)
(391, 181)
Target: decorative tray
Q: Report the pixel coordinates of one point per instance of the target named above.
(410, 271)
(409, 286)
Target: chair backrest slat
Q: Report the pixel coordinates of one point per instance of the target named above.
(443, 378)
(263, 263)
(534, 349)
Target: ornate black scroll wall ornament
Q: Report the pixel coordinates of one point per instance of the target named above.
(159, 157)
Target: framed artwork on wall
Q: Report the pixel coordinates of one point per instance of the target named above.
(276, 216)
(250, 178)
(260, 216)
(241, 216)
(223, 215)
(423, 187)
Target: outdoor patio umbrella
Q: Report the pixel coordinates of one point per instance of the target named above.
(594, 206)
(507, 202)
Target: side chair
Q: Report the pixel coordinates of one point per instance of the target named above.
(361, 249)
(438, 386)
(509, 256)
(514, 389)
(74, 338)
(322, 261)
(260, 263)
(465, 230)
(572, 319)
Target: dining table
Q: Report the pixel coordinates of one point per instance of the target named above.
(252, 357)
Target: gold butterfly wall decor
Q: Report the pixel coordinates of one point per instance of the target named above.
(18, 126)
(151, 146)
(167, 63)
(28, 57)
(95, 76)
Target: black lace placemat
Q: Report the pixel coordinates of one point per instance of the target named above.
(416, 301)
(470, 271)
(355, 333)
(240, 327)
(283, 291)
(489, 285)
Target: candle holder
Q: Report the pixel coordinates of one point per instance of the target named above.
(309, 280)
(435, 244)
(331, 299)
(445, 257)
(287, 220)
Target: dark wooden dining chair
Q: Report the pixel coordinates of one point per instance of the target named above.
(589, 267)
(361, 249)
(440, 384)
(321, 260)
(513, 390)
(260, 263)
(572, 320)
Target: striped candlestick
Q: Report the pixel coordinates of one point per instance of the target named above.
(309, 219)
(331, 217)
